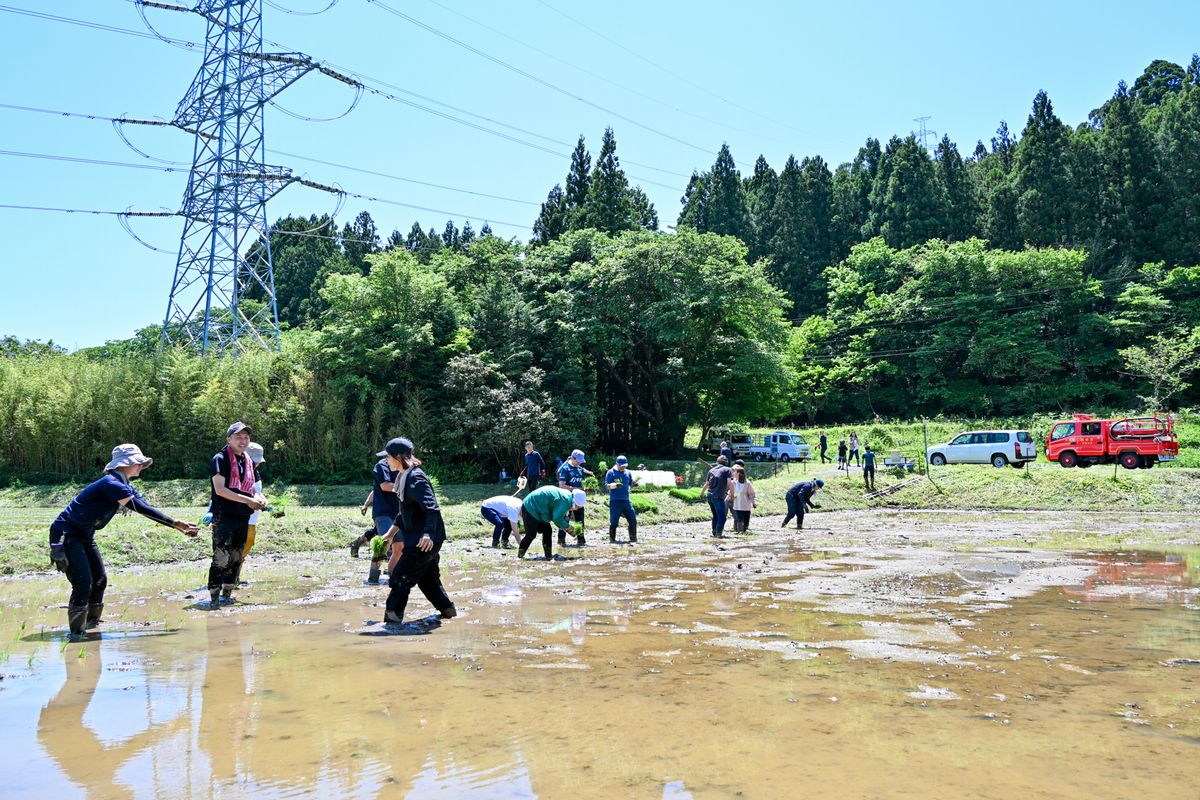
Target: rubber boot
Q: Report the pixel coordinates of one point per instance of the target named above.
(94, 610)
(580, 541)
(633, 534)
(214, 599)
(449, 612)
(357, 543)
(562, 538)
(392, 618)
(612, 534)
(520, 552)
(373, 575)
(76, 621)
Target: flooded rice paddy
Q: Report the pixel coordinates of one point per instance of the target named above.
(875, 655)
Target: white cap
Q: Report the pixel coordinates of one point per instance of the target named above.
(578, 497)
(255, 451)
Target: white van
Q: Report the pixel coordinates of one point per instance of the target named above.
(998, 448)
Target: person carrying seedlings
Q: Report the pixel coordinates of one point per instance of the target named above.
(233, 501)
(256, 453)
(798, 497)
(842, 455)
(416, 536)
(504, 513)
(716, 485)
(619, 480)
(741, 499)
(824, 447)
(535, 467)
(73, 548)
(570, 476)
(378, 558)
(853, 451)
(543, 508)
(868, 465)
(384, 504)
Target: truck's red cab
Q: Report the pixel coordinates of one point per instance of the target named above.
(1134, 442)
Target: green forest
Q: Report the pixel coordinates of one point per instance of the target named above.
(1052, 270)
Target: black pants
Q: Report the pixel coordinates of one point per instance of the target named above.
(85, 571)
(534, 526)
(869, 477)
(795, 509)
(420, 569)
(531, 482)
(853, 457)
(825, 458)
(229, 544)
(741, 521)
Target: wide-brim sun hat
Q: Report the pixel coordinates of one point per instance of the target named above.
(127, 455)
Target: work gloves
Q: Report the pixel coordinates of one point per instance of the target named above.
(58, 558)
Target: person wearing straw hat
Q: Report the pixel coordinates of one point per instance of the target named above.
(233, 501)
(73, 548)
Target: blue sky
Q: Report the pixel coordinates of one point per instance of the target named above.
(766, 77)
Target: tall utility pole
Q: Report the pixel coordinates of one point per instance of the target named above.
(924, 133)
(223, 294)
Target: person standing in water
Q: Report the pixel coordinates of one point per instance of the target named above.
(256, 453)
(384, 504)
(741, 499)
(73, 548)
(570, 477)
(416, 535)
(233, 501)
(798, 497)
(619, 482)
(504, 512)
(543, 508)
(716, 485)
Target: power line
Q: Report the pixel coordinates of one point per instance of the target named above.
(100, 26)
(530, 76)
(668, 71)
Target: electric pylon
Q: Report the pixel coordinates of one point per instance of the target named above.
(223, 293)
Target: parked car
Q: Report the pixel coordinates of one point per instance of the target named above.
(998, 448)
(782, 446)
(1134, 442)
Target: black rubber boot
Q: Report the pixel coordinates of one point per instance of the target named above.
(214, 599)
(94, 610)
(562, 538)
(76, 621)
(227, 593)
(580, 541)
(612, 534)
(449, 612)
(373, 575)
(633, 534)
(520, 552)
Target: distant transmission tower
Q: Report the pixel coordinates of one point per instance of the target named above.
(223, 294)
(924, 133)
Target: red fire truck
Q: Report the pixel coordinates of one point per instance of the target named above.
(1133, 442)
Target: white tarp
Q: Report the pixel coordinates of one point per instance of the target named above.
(654, 477)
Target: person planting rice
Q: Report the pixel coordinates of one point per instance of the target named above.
(798, 497)
(570, 476)
(619, 482)
(383, 502)
(378, 557)
(544, 507)
(504, 513)
(73, 548)
(416, 536)
(233, 501)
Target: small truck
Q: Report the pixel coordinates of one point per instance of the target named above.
(782, 446)
(1132, 442)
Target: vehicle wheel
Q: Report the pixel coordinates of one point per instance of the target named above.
(1068, 459)
(937, 460)
(999, 461)
(758, 457)
(785, 458)
(1130, 460)
(1018, 465)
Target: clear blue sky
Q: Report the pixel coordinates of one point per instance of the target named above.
(766, 77)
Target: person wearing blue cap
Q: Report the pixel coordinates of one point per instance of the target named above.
(619, 481)
(570, 476)
(416, 535)
(798, 497)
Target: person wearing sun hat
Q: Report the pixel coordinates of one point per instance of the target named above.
(73, 547)
(233, 501)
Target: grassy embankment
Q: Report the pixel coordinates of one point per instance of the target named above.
(326, 517)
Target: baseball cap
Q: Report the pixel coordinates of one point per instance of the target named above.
(820, 483)
(578, 497)
(236, 427)
(255, 451)
(622, 461)
(397, 447)
(578, 456)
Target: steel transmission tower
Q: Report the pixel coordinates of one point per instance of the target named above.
(223, 294)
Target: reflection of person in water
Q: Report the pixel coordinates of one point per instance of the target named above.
(76, 749)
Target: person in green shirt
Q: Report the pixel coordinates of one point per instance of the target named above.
(546, 508)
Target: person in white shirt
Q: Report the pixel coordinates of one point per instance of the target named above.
(504, 513)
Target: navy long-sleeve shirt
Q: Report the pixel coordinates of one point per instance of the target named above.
(420, 513)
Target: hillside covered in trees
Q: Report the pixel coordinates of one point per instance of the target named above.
(1057, 268)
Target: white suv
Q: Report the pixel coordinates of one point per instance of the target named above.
(998, 448)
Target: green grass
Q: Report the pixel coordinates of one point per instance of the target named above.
(26, 511)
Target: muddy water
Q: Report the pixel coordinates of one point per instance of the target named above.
(911, 658)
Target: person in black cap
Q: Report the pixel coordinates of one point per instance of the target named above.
(73, 547)
(798, 497)
(416, 535)
(233, 501)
